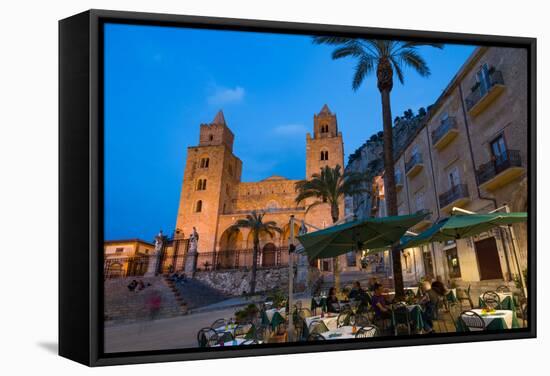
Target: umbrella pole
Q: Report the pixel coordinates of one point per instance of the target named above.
(290, 331)
(514, 248)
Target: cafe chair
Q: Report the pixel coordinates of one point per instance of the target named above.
(361, 320)
(367, 332)
(219, 323)
(343, 319)
(502, 289)
(472, 321)
(401, 319)
(204, 335)
(491, 300)
(454, 310)
(315, 337)
(317, 326)
(465, 295)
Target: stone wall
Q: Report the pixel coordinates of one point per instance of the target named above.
(235, 282)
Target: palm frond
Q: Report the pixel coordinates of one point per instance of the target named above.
(364, 67)
(413, 59)
(397, 68)
(331, 40)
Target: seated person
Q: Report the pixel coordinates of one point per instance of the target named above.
(381, 310)
(429, 301)
(439, 286)
(356, 291)
(333, 305)
(132, 286)
(371, 284)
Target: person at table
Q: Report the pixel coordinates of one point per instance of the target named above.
(439, 287)
(372, 283)
(429, 302)
(356, 291)
(333, 305)
(381, 310)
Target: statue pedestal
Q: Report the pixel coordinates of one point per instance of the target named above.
(302, 273)
(152, 266)
(190, 263)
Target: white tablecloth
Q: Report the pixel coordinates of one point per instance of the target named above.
(270, 312)
(502, 314)
(236, 342)
(344, 331)
(330, 322)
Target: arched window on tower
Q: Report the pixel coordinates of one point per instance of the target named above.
(324, 155)
(198, 206)
(201, 184)
(204, 162)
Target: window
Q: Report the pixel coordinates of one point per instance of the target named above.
(351, 258)
(454, 177)
(119, 250)
(452, 263)
(324, 128)
(204, 162)
(483, 79)
(211, 138)
(414, 151)
(201, 184)
(198, 206)
(398, 176)
(498, 150)
(324, 155)
(419, 201)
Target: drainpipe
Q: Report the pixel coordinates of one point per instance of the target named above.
(479, 195)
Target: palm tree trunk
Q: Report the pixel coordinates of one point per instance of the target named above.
(390, 191)
(254, 268)
(335, 214)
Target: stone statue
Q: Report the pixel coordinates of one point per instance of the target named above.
(193, 240)
(158, 242)
(191, 258)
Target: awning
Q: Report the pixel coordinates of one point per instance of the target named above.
(357, 235)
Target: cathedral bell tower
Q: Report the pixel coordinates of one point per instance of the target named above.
(326, 147)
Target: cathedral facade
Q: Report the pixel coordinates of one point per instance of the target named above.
(213, 197)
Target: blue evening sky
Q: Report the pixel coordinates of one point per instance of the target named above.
(161, 83)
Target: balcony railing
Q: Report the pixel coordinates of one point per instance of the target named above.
(489, 170)
(415, 160)
(443, 129)
(242, 259)
(480, 92)
(455, 193)
(270, 210)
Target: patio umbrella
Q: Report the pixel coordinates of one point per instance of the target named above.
(463, 226)
(357, 235)
(467, 225)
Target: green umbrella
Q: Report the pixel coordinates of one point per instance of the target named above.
(357, 235)
(463, 226)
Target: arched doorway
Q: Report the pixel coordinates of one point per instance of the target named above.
(269, 255)
(230, 244)
(114, 270)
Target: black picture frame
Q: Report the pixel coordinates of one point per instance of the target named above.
(81, 185)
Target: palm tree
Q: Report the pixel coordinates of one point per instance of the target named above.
(386, 57)
(329, 188)
(254, 222)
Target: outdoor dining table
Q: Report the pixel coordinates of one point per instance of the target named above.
(330, 321)
(415, 314)
(231, 327)
(343, 332)
(235, 342)
(274, 317)
(498, 320)
(506, 301)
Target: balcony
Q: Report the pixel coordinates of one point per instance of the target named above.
(398, 183)
(482, 95)
(456, 196)
(444, 133)
(414, 165)
(501, 171)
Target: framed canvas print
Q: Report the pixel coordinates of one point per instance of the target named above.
(238, 187)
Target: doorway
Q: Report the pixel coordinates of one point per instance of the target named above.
(268, 257)
(488, 259)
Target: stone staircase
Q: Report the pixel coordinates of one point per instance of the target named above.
(192, 294)
(122, 305)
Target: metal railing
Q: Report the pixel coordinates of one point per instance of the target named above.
(487, 171)
(413, 161)
(445, 126)
(241, 259)
(453, 194)
(481, 89)
(271, 210)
